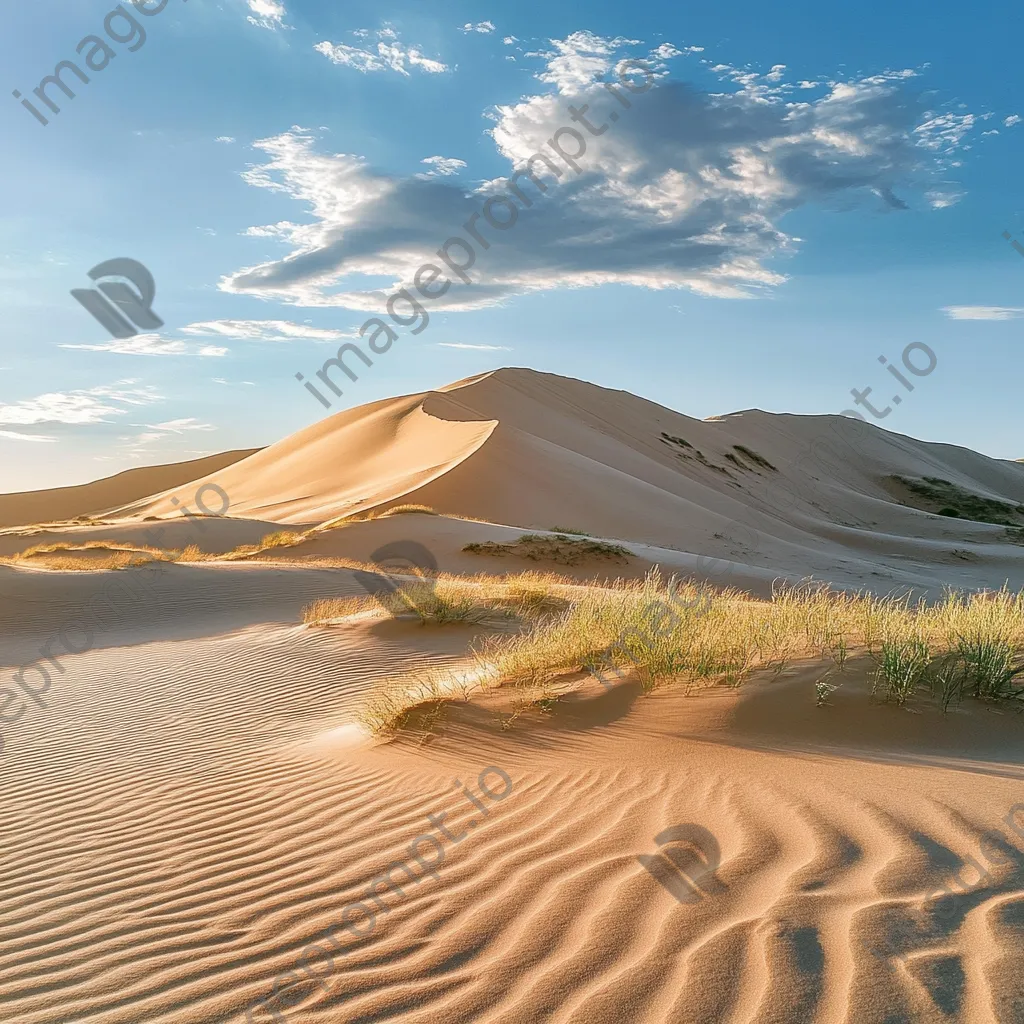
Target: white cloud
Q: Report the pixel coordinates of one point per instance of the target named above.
(983, 312)
(227, 139)
(509, 40)
(149, 345)
(265, 330)
(442, 166)
(481, 348)
(13, 435)
(269, 14)
(577, 61)
(181, 426)
(390, 55)
(482, 26)
(687, 189)
(83, 406)
(1010, 121)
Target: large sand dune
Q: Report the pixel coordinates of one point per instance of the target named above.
(741, 496)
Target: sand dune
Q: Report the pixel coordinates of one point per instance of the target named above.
(92, 499)
(192, 810)
(752, 492)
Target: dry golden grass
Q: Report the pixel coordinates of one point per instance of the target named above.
(88, 557)
(965, 646)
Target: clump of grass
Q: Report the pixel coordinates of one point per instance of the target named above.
(759, 460)
(823, 689)
(561, 548)
(902, 666)
(569, 530)
(675, 440)
(405, 510)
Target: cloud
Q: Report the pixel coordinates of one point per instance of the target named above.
(482, 26)
(1010, 121)
(265, 330)
(15, 436)
(181, 426)
(482, 348)
(150, 345)
(983, 312)
(509, 40)
(686, 189)
(83, 406)
(390, 55)
(226, 139)
(270, 14)
(443, 166)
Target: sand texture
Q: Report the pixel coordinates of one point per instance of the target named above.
(191, 808)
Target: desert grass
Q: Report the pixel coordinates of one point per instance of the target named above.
(561, 549)
(966, 646)
(90, 556)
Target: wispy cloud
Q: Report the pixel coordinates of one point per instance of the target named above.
(268, 14)
(83, 406)
(265, 330)
(481, 348)
(13, 435)
(151, 345)
(484, 27)
(983, 312)
(390, 55)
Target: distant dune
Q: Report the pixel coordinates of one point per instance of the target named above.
(60, 503)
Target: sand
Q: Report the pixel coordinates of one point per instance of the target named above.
(190, 804)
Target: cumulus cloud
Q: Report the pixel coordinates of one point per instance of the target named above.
(268, 14)
(389, 55)
(265, 330)
(484, 27)
(982, 312)
(442, 166)
(685, 189)
(1011, 120)
(82, 406)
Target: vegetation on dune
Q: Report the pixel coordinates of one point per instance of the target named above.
(945, 498)
(405, 510)
(450, 599)
(89, 555)
(561, 548)
(753, 456)
(967, 646)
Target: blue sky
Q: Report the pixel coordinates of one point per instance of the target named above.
(798, 192)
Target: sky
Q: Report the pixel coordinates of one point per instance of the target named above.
(742, 207)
